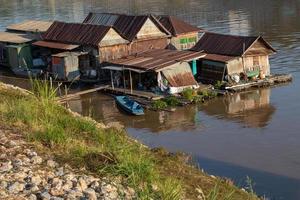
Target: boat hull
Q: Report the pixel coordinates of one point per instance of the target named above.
(123, 102)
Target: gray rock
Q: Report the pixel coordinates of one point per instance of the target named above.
(90, 194)
(6, 167)
(30, 153)
(36, 160)
(32, 197)
(16, 188)
(3, 185)
(34, 189)
(45, 195)
(51, 163)
(11, 143)
(73, 194)
(20, 175)
(67, 186)
(36, 180)
(57, 198)
(60, 171)
(82, 184)
(17, 163)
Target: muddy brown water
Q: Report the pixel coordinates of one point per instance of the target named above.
(255, 134)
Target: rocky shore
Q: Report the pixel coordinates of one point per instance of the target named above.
(26, 175)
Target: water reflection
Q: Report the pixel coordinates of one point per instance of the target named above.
(252, 108)
(103, 108)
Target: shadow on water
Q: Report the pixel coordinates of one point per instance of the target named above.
(265, 184)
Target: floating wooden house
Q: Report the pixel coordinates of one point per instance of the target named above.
(95, 40)
(144, 32)
(15, 50)
(155, 70)
(65, 66)
(229, 55)
(184, 35)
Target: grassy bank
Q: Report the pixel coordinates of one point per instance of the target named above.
(107, 152)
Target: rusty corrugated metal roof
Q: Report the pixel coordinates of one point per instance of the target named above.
(230, 45)
(75, 33)
(155, 59)
(30, 26)
(127, 25)
(177, 26)
(219, 58)
(14, 38)
(55, 45)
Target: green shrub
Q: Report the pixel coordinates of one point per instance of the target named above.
(188, 93)
(159, 104)
(172, 101)
(218, 85)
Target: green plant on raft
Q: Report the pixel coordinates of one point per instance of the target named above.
(218, 85)
(172, 101)
(188, 93)
(159, 104)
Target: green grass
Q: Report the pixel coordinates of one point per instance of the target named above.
(109, 152)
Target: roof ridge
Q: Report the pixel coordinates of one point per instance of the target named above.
(238, 36)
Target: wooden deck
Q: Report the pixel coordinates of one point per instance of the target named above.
(136, 93)
(74, 95)
(269, 81)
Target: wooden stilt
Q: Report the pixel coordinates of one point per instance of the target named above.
(130, 82)
(112, 81)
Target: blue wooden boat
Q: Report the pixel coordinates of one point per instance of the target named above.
(129, 105)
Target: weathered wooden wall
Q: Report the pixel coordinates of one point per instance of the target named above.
(149, 30)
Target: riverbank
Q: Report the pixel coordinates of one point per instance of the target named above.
(105, 153)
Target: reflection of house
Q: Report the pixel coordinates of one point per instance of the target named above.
(232, 55)
(184, 35)
(165, 70)
(251, 108)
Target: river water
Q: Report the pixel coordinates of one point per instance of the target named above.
(255, 134)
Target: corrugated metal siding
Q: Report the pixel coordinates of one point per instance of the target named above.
(55, 45)
(83, 34)
(14, 38)
(176, 26)
(127, 25)
(30, 26)
(179, 75)
(155, 59)
(229, 45)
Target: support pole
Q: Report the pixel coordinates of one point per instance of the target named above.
(130, 82)
(124, 81)
(112, 81)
